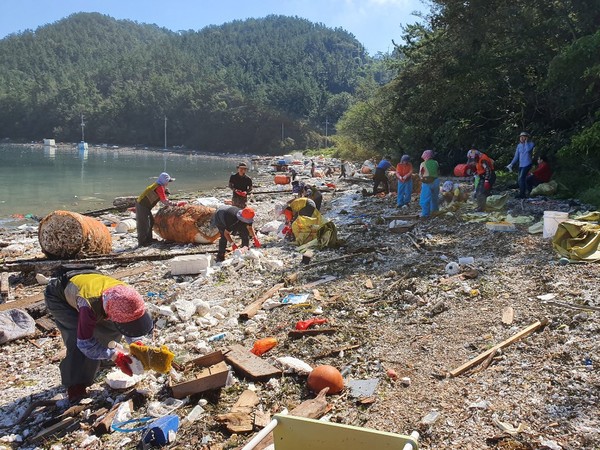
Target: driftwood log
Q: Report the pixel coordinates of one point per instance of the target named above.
(66, 234)
(189, 224)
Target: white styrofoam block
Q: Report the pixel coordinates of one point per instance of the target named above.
(189, 264)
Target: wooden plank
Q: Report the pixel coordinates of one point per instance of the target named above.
(45, 323)
(295, 334)
(57, 428)
(483, 356)
(251, 310)
(102, 425)
(250, 365)
(508, 315)
(239, 419)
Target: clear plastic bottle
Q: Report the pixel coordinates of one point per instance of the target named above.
(193, 415)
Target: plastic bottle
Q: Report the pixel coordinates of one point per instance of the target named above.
(263, 345)
(193, 415)
(217, 337)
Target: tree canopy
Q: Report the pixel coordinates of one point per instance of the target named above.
(476, 73)
(224, 88)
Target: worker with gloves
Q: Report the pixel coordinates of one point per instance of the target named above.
(154, 193)
(314, 194)
(241, 185)
(90, 310)
(524, 155)
(430, 184)
(404, 171)
(231, 220)
(485, 176)
(302, 206)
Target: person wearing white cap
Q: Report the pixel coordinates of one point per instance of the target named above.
(154, 193)
(524, 155)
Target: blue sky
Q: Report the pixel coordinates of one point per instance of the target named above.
(373, 22)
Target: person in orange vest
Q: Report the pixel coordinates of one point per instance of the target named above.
(404, 171)
(485, 176)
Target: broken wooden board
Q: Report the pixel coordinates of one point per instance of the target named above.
(67, 424)
(296, 334)
(251, 310)
(250, 365)
(45, 323)
(103, 423)
(483, 356)
(239, 419)
(508, 315)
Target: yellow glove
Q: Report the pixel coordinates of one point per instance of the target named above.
(155, 358)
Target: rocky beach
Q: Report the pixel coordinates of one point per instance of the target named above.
(401, 323)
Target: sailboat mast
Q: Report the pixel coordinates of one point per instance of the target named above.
(82, 127)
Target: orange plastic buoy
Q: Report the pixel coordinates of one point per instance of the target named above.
(325, 376)
(263, 345)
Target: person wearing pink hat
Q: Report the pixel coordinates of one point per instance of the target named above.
(90, 310)
(430, 186)
(153, 193)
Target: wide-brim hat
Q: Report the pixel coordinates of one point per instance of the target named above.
(138, 327)
(245, 215)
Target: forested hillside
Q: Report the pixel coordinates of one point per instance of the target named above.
(233, 87)
(477, 73)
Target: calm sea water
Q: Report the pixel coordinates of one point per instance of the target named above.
(38, 180)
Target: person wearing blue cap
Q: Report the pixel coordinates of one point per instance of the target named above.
(154, 193)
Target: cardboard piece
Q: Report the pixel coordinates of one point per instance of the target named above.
(212, 376)
(250, 365)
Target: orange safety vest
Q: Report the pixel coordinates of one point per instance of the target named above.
(484, 158)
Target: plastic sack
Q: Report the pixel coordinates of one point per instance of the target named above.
(548, 188)
(15, 324)
(305, 228)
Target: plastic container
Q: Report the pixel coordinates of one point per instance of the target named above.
(263, 345)
(551, 221)
(452, 268)
(282, 179)
(462, 170)
(466, 260)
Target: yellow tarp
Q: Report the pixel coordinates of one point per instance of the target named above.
(578, 241)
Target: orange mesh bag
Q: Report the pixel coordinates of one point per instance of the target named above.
(65, 234)
(189, 224)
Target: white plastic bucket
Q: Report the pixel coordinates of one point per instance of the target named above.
(551, 221)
